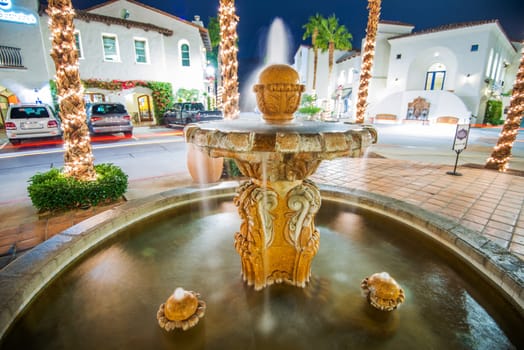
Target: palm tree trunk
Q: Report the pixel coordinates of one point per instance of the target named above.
(367, 58)
(315, 58)
(501, 153)
(315, 65)
(228, 58)
(78, 155)
(331, 57)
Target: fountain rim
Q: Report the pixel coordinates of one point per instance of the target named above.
(24, 278)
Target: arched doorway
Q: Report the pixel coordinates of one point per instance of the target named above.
(435, 77)
(6, 98)
(3, 109)
(144, 108)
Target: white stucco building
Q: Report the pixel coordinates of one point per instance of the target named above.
(454, 68)
(122, 40)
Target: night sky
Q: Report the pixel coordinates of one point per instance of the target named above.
(256, 17)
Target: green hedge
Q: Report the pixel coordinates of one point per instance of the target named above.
(52, 190)
(493, 114)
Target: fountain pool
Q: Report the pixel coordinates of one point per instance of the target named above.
(123, 263)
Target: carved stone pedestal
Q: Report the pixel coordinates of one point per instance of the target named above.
(277, 239)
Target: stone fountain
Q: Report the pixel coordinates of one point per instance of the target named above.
(278, 239)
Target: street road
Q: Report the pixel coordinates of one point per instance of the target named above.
(151, 153)
(155, 152)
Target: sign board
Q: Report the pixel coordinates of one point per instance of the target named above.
(461, 137)
(8, 14)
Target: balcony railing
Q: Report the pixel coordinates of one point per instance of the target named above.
(10, 57)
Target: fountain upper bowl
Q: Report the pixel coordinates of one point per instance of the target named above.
(290, 152)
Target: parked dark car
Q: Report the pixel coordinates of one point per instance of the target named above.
(31, 121)
(189, 112)
(108, 118)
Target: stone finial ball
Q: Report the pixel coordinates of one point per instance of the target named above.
(279, 74)
(181, 305)
(278, 93)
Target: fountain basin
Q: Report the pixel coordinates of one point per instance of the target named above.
(30, 275)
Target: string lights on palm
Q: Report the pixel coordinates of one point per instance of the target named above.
(501, 153)
(367, 58)
(78, 155)
(228, 58)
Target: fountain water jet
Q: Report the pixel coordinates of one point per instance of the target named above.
(278, 239)
(276, 51)
(277, 48)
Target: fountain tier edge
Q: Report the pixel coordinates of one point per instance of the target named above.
(24, 279)
(252, 141)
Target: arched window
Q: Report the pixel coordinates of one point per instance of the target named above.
(435, 77)
(184, 54)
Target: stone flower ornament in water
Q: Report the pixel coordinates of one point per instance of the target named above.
(382, 291)
(183, 309)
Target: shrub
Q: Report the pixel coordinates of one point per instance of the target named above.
(493, 114)
(310, 110)
(52, 190)
(308, 106)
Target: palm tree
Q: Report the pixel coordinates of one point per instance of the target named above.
(228, 58)
(333, 36)
(78, 155)
(367, 58)
(502, 151)
(312, 28)
(214, 35)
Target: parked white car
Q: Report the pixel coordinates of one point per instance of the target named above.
(31, 121)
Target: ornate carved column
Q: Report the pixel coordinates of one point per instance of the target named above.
(277, 239)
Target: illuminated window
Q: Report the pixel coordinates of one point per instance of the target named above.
(111, 52)
(494, 66)
(78, 44)
(141, 51)
(490, 61)
(184, 53)
(435, 77)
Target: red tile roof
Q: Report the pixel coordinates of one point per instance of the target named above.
(204, 34)
(398, 23)
(88, 17)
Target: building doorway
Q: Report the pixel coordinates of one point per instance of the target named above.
(6, 98)
(4, 103)
(435, 77)
(144, 108)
